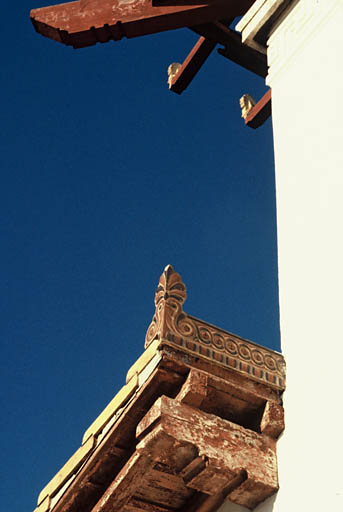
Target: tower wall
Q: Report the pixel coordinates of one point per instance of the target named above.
(306, 76)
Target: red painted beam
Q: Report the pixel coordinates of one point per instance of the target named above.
(234, 49)
(260, 112)
(86, 22)
(192, 65)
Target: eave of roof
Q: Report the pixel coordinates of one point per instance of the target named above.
(84, 23)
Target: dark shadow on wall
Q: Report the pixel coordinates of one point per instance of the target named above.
(266, 506)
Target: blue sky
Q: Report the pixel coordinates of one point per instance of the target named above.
(106, 177)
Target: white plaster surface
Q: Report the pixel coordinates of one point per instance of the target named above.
(306, 76)
(255, 18)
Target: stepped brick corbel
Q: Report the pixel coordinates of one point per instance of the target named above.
(195, 425)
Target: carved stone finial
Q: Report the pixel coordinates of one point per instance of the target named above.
(246, 102)
(169, 298)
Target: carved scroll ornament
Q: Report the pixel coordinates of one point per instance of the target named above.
(172, 325)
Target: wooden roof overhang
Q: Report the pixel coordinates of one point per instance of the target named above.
(86, 22)
(196, 424)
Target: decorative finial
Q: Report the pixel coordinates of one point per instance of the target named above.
(173, 70)
(170, 286)
(169, 298)
(246, 102)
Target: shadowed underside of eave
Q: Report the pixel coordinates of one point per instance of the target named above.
(86, 22)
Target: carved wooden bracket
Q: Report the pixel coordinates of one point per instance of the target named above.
(188, 460)
(226, 449)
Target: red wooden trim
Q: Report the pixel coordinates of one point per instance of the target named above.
(234, 49)
(83, 23)
(192, 64)
(260, 112)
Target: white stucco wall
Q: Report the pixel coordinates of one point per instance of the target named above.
(306, 75)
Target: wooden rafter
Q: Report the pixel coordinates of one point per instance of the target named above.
(260, 112)
(211, 35)
(234, 49)
(192, 64)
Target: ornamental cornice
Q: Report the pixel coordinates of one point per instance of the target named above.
(301, 23)
(195, 425)
(284, 26)
(171, 325)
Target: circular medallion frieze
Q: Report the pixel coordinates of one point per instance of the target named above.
(205, 335)
(218, 341)
(257, 357)
(270, 362)
(244, 352)
(231, 347)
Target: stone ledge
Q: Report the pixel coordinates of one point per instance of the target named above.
(283, 26)
(260, 19)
